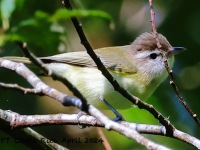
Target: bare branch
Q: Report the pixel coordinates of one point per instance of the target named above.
(105, 141)
(16, 120)
(170, 72)
(153, 22)
(180, 98)
(19, 88)
(23, 120)
(43, 140)
(160, 130)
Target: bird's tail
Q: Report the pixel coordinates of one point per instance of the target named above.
(18, 59)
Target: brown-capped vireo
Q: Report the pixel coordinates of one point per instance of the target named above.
(138, 67)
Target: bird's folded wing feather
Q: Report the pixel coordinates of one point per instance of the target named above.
(114, 59)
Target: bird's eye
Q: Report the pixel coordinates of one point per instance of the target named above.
(153, 56)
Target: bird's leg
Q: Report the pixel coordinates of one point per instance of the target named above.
(118, 117)
(81, 126)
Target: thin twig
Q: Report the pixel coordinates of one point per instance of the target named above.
(152, 13)
(105, 141)
(153, 24)
(19, 88)
(115, 84)
(49, 144)
(170, 72)
(180, 98)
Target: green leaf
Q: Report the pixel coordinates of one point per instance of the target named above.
(4, 38)
(41, 15)
(62, 14)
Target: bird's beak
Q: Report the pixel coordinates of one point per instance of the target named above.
(176, 50)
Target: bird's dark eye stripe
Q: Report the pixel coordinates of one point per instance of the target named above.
(153, 56)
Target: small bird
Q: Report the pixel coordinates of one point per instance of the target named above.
(138, 67)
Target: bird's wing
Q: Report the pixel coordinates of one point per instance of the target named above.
(114, 59)
(80, 58)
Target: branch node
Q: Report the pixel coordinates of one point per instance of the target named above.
(194, 115)
(171, 82)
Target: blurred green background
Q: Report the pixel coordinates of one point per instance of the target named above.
(46, 27)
